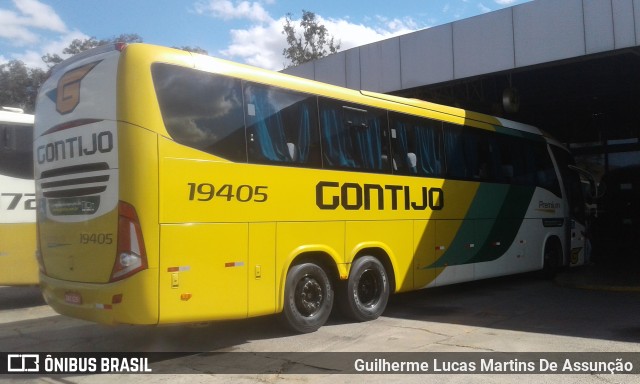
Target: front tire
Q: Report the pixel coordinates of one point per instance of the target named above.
(552, 260)
(367, 291)
(308, 298)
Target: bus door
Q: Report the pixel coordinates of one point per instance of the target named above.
(575, 215)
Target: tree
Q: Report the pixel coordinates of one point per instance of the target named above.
(195, 49)
(312, 44)
(78, 45)
(19, 85)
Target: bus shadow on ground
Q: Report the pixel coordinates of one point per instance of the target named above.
(525, 303)
(20, 297)
(522, 303)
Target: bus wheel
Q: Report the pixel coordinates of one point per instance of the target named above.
(552, 258)
(367, 290)
(308, 298)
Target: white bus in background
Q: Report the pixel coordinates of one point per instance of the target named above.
(18, 265)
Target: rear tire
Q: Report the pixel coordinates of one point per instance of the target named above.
(552, 260)
(308, 298)
(366, 293)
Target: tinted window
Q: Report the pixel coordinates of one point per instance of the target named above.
(16, 159)
(202, 110)
(417, 145)
(461, 153)
(472, 154)
(354, 136)
(512, 160)
(546, 176)
(282, 126)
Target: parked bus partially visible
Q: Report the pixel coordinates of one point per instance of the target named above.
(18, 265)
(175, 187)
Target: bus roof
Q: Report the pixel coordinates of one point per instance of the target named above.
(226, 67)
(469, 115)
(482, 120)
(15, 116)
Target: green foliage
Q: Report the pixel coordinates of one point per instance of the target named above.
(312, 44)
(79, 45)
(19, 85)
(192, 49)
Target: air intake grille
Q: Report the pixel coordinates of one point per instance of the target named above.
(75, 181)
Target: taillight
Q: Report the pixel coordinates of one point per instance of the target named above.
(132, 256)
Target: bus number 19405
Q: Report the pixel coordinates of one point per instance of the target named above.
(243, 193)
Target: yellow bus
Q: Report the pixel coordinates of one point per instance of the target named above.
(175, 187)
(18, 264)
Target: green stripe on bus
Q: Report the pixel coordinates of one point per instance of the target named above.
(506, 226)
(490, 227)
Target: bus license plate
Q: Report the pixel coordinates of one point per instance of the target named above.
(73, 298)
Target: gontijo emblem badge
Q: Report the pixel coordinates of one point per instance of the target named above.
(68, 91)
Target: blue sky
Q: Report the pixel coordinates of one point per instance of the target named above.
(244, 31)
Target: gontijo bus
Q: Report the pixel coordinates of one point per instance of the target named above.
(175, 187)
(18, 264)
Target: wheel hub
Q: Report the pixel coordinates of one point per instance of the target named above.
(309, 296)
(369, 288)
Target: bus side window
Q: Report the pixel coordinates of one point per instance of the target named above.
(16, 158)
(428, 149)
(201, 110)
(530, 171)
(354, 137)
(417, 146)
(302, 132)
(367, 131)
(546, 175)
(455, 152)
(512, 166)
(403, 161)
(265, 130)
(281, 126)
(492, 152)
(337, 148)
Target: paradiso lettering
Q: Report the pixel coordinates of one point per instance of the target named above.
(353, 196)
(75, 147)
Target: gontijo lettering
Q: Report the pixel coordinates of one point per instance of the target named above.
(74, 147)
(353, 196)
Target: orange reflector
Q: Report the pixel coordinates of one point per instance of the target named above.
(234, 264)
(116, 299)
(185, 296)
(183, 268)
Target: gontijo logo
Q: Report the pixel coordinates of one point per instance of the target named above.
(101, 142)
(68, 91)
(354, 196)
